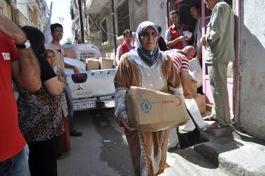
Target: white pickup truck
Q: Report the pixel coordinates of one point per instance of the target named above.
(91, 89)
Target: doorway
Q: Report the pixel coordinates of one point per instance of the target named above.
(183, 6)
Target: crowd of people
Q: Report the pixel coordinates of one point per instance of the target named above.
(43, 115)
(149, 67)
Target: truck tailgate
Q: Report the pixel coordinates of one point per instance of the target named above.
(92, 83)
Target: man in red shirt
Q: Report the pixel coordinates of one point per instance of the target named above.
(17, 61)
(175, 38)
(126, 46)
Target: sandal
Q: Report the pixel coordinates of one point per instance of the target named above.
(209, 118)
(217, 125)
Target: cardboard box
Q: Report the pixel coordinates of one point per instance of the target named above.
(150, 110)
(194, 89)
(92, 64)
(106, 63)
(201, 102)
(68, 52)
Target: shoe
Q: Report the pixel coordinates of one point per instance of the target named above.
(75, 133)
(60, 156)
(233, 127)
(209, 118)
(170, 149)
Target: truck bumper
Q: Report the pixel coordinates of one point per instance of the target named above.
(80, 105)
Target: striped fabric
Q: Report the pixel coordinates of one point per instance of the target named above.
(180, 61)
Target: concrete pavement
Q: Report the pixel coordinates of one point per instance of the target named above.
(103, 150)
(228, 153)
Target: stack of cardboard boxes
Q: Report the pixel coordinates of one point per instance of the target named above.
(200, 100)
(98, 63)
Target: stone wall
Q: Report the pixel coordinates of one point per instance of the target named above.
(251, 65)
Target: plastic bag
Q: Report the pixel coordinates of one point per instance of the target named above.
(195, 71)
(195, 112)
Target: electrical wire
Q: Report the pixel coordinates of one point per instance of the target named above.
(102, 29)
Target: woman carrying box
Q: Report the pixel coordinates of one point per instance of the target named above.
(145, 66)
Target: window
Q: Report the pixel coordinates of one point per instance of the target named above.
(30, 15)
(94, 22)
(1, 11)
(123, 17)
(72, 14)
(103, 27)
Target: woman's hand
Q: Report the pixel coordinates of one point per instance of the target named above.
(183, 123)
(61, 79)
(125, 123)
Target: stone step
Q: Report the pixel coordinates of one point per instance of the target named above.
(228, 153)
(233, 154)
(188, 162)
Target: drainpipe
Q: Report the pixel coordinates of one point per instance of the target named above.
(237, 73)
(114, 29)
(81, 21)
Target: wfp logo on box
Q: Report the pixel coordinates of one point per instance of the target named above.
(146, 106)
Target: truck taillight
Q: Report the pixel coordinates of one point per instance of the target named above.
(80, 78)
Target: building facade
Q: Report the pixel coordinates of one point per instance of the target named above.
(26, 12)
(105, 20)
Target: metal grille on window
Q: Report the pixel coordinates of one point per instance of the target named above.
(123, 17)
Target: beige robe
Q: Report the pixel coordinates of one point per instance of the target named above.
(148, 149)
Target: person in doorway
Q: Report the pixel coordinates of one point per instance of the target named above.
(174, 36)
(21, 64)
(126, 46)
(57, 35)
(40, 118)
(219, 50)
(161, 42)
(195, 11)
(145, 66)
